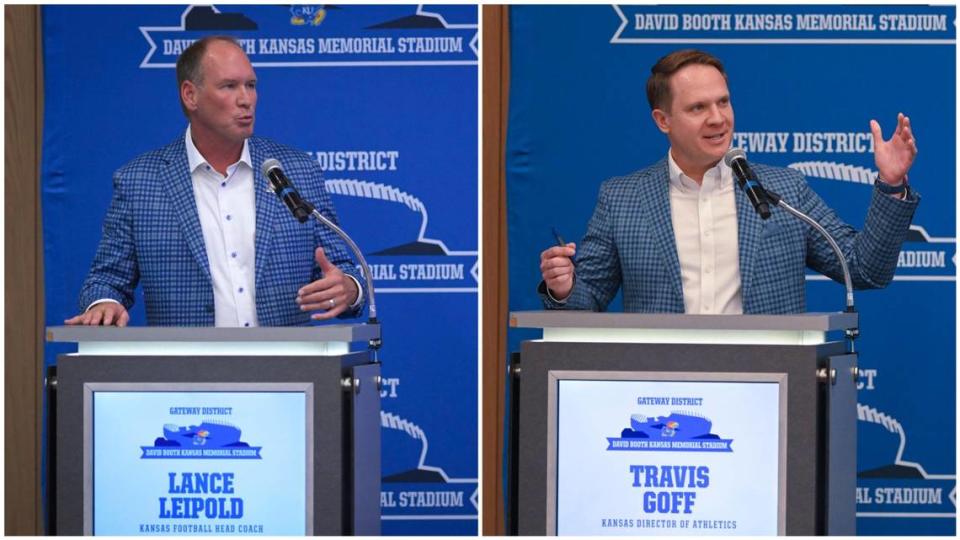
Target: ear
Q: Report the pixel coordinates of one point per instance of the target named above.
(662, 120)
(188, 93)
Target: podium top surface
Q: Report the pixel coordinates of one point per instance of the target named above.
(303, 334)
(810, 322)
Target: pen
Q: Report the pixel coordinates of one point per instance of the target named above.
(559, 238)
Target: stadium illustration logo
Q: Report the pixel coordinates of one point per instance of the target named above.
(923, 257)
(680, 431)
(401, 257)
(890, 486)
(211, 439)
(309, 36)
(413, 490)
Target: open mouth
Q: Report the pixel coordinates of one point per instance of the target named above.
(719, 137)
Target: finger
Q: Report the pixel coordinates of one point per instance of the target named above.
(96, 316)
(321, 258)
(319, 285)
(556, 262)
(328, 314)
(77, 319)
(556, 273)
(558, 251)
(124, 319)
(108, 316)
(899, 124)
(314, 303)
(877, 133)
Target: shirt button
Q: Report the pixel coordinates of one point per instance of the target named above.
(228, 217)
(223, 184)
(240, 289)
(246, 324)
(234, 254)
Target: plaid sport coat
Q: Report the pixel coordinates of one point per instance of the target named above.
(152, 237)
(630, 243)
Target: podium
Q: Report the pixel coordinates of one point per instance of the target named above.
(669, 424)
(237, 431)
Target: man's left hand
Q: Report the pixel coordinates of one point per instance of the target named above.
(893, 158)
(330, 295)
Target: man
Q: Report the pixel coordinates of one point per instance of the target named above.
(680, 237)
(194, 224)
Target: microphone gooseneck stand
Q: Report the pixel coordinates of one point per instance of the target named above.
(301, 209)
(853, 332)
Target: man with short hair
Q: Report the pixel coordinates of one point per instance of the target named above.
(194, 224)
(679, 237)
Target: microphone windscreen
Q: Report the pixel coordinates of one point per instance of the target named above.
(734, 154)
(270, 164)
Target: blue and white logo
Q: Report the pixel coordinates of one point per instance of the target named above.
(211, 439)
(680, 431)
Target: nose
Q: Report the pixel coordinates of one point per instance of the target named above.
(715, 117)
(244, 98)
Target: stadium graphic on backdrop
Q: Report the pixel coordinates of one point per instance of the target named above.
(410, 488)
(891, 486)
(315, 36)
(923, 257)
(402, 257)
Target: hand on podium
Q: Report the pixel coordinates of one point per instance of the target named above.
(556, 267)
(105, 313)
(331, 295)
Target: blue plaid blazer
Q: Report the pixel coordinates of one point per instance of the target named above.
(152, 237)
(630, 243)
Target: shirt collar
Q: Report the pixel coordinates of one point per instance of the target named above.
(195, 158)
(681, 181)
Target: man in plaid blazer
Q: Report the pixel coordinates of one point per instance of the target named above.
(663, 233)
(194, 224)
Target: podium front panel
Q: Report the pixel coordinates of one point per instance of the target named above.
(215, 445)
(665, 453)
(542, 362)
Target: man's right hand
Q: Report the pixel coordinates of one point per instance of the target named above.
(106, 313)
(556, 267)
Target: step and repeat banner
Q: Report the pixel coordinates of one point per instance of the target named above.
(805, 81)
(385, 99)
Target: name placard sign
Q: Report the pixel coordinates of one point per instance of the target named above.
(199, 459)
(666, 454)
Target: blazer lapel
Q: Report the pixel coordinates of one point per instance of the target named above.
(749, 231)
(655, 201)
(267, 207)
(179, 185)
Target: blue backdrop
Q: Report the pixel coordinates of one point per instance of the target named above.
(385, 98)
(805, 82)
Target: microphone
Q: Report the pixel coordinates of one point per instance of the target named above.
(280, 184)
(736, 159)
(302, 210)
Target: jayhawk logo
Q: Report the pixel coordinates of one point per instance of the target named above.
(301, 15)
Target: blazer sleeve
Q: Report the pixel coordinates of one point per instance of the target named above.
(114, 273)
(597, 263)
(872, 252)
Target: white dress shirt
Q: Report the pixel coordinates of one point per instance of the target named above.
(705, 228)
(228, 217)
